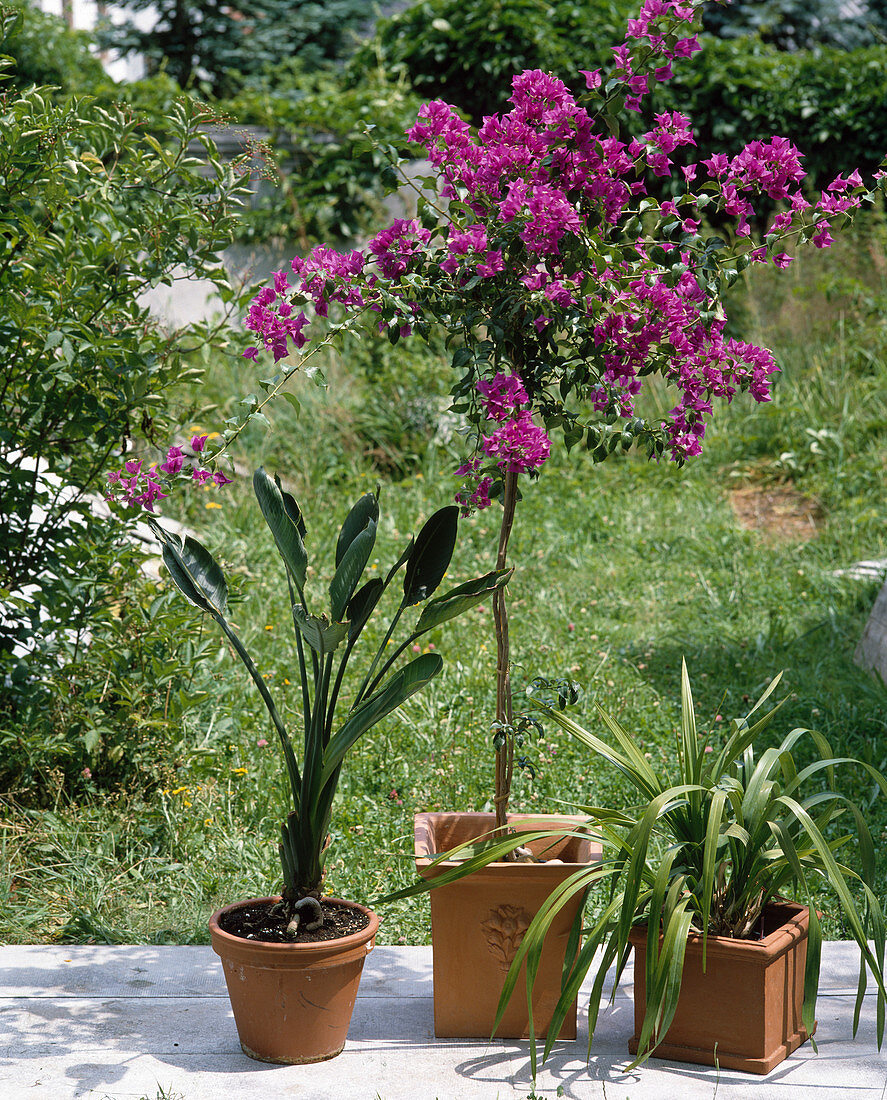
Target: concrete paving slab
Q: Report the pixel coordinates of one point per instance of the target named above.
(138, 1023)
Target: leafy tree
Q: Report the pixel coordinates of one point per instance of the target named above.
(218, 45)
(46, 52)
(327, 191)
(802, 24)
(97, 205)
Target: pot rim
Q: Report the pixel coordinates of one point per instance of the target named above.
(317, 950)
(795, 927)
(424, 822)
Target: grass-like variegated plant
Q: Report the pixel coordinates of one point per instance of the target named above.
(706, 851)
(324, 645)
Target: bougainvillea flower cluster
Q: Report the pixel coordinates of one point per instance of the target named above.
(564, 283)
(538, 249)
(516, 444)
(140, 487)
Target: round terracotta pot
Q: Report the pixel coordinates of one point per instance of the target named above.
(292, 1002)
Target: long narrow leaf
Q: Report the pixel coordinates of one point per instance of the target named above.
(632, 763)
(690, 752)
(404, 683)
(663, 992)
(709, 855)
(839, 885)
(471, 856)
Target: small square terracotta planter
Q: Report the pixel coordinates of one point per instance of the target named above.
(477, 925)
(744, 1012)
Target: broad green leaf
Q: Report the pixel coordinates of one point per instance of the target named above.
(431, 555)
(283, 527)
(365, 510)
(361, 606)
(194, 571)
(322, 635)
(400, 561)
(292, 509)
(350, 570)
(460, 599)
(404, 683)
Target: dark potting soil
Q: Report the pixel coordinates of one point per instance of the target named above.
(266, 924)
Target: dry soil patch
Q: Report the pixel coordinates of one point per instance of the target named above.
(777, 511)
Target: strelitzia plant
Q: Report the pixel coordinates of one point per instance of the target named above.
(325, 644)
(707, 851)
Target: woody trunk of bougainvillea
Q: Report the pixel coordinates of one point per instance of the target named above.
(504, 708)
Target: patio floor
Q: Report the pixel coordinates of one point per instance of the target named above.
(144, 1022)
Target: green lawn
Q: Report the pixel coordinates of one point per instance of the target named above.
(622, 569)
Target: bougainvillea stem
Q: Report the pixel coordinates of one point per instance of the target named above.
(504, 709)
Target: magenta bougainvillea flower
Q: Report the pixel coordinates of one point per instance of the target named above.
(545, 254)
(541, 255)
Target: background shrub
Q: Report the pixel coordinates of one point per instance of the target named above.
(47, 52)
(327, 189)
(219, 48)
(97, 205)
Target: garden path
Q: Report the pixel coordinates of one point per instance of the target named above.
(114, 1023)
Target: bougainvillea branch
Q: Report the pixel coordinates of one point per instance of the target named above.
(563, 283)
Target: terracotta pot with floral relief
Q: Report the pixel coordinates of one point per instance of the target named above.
(477, 924)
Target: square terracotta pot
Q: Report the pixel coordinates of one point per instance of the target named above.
(477, 925)
(744, 1012)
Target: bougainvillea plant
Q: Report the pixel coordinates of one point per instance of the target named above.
(563, 285)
